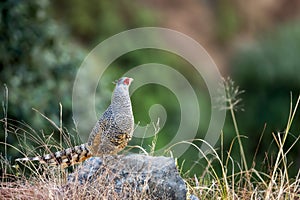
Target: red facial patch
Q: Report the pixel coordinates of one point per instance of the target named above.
(126, 81)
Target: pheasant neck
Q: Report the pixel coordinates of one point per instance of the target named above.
(121, 101)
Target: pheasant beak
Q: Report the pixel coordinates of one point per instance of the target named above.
(130, 80)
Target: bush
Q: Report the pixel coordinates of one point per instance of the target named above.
(269, 71)
(36, 65)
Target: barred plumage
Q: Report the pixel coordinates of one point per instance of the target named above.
(64, 158)
(109, 136)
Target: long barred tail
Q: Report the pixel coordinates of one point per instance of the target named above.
(64, 158)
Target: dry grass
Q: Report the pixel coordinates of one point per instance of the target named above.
(31, 180)
(237, 180)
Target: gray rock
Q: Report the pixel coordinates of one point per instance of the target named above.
(132, 176)
(193, 197)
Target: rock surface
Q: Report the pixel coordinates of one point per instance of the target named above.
(132, 176)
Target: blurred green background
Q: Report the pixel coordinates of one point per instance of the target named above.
(257, 44)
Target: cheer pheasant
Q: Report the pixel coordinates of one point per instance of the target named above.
(109, 136)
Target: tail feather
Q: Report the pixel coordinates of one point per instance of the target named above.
(64, 158)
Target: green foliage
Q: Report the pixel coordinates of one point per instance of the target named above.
(268, 71)
(95, 20)
(274, 61)
(36, 64)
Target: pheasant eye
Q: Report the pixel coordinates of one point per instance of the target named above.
(126, 81)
